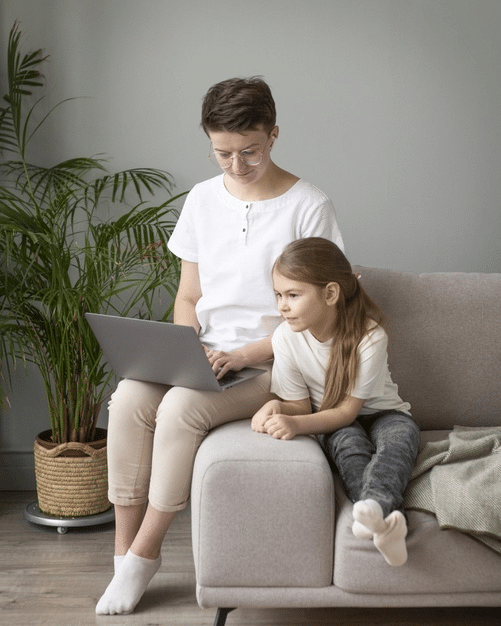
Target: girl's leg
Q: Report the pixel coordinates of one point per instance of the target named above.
(396, 438)
(396, 441)
(350, 449)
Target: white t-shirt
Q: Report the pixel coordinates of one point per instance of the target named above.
(235, 244)
(301, 363)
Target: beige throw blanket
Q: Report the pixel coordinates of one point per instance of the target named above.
(459, 480)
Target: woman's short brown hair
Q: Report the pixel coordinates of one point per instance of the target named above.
(239, 105)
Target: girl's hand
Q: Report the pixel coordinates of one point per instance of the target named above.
(281, 426)
(263, 415)
(223, 362)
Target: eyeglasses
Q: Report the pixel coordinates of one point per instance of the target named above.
(247, 157)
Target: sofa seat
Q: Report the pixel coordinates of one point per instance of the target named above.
(433, 554)
(272, 526)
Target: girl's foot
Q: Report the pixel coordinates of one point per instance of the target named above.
(387, 533)
(128, 585)
(360, 531)
(391, 543)
(368, 516)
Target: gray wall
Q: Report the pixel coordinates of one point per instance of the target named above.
(389, 106)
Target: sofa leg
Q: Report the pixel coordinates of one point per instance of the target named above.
(221, 616)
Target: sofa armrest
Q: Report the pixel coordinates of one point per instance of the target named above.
(262, 511)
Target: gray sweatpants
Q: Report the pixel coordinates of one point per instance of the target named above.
(375, 456)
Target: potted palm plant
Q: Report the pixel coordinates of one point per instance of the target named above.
(74, 239)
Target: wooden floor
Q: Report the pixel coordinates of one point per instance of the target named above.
(55, 580)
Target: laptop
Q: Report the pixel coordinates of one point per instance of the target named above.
(160, 352)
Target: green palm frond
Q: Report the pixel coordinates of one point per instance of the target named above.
(74, 239)
(23, 78)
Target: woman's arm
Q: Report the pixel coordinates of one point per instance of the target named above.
(188, 294)
(291, 421)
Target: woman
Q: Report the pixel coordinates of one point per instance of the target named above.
(229, 233)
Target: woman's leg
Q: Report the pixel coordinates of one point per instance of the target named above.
(131, 428)
(136, 569)
(183, 419)
(128, 520)
(149, 538)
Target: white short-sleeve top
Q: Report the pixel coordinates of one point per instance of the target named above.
(235, 244)
(301, 363)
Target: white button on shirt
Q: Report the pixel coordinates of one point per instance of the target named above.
(235, 244)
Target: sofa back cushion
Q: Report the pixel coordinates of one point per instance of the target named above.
(444, 343)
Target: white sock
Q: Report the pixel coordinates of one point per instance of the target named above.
(388, 534)
(369, 517)
(128, 585)
(117, 559)
(360, 531)
(391, 543)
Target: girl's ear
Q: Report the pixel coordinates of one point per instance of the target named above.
(332, 293)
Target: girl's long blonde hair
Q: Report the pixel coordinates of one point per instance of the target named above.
(318, 261)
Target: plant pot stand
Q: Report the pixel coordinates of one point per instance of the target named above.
(33, 514)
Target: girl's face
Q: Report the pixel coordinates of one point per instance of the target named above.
(307, 307)
(236, 153)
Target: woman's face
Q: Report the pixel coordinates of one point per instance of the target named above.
(244, 157)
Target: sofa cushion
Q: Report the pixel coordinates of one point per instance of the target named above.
(445, 343)
(440, 561)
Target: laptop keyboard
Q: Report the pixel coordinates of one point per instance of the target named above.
(229, 377)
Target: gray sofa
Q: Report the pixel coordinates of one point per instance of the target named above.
(272, 526)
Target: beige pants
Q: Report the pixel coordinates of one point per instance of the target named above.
(154, 432)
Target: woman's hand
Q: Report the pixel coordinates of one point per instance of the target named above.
(223, 362)
(251, 354)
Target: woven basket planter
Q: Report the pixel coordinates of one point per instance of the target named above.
(72, 478)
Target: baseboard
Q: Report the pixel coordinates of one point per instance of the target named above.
(17, 472)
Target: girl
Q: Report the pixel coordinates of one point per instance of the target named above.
(231, 229)
(331, 375)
